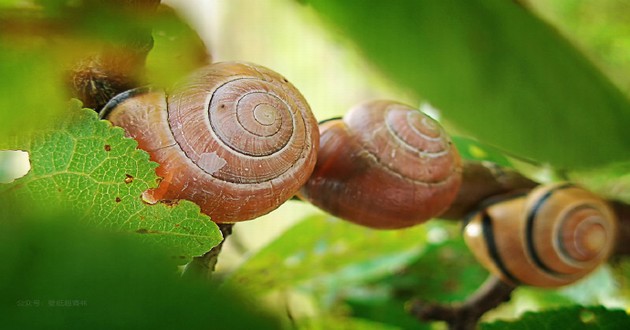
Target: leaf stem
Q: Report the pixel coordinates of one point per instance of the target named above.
(203, 266)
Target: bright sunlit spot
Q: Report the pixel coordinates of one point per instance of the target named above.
(473, 229)
(14, 164)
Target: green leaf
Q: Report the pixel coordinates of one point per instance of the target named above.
(497, 72)
(471, 149)
(324, 251)
(57, 273)
(177, 49)
(341, 323)
(444, 272)
(386, 311)
(567, 318)
(88, 167)
(31, 95)
(458, 275)
(612, 181)
(600, 27)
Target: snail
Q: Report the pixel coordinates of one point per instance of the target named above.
(552, 236)
(385, 165)
(235, 138)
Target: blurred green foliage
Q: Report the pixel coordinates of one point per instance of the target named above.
(492, 68)
(567, 318)
(599, 28)
(31, 92)
(177, 49)
(60, 274)
(324, 252)
(497, 72)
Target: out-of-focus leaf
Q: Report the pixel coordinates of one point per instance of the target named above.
(458, 274)
(473, 150)
(387, 311)
(612, 181)
(10, 3)
(60, 274)
(497, 72)
(323, 251)
(596, 289)
(31, 93)
(177, 49)
(88, 167)
(445, 272)
(621, 271)
(567, 318)
(343, 323)
(600, 27)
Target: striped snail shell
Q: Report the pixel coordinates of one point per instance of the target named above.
(385, 165)
(237, 139)
(553, 236)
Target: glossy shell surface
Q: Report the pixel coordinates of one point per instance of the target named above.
(554, 236)
(236, 138)
(385, 165)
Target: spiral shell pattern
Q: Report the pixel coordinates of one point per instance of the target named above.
(238, 139)
(385, 165)
(554, 236)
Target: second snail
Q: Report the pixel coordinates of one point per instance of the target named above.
(385, 165)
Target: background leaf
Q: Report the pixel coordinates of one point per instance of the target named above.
(327, 252)
(497, 72)
(31, 94)
(383, 300)
(177, 49)
(471, 149)
(88, 167)
(58, 273)
(567, 318)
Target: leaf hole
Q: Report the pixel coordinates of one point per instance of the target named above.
(14, 164)
(128, 179)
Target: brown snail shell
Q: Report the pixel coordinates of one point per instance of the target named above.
(384, 165)
(237, 139)
(553, 236)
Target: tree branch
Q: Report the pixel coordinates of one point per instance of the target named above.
(464, 316)
(482, 180)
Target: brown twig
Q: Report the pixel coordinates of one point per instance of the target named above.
(464, 316)
(203, 266)
(482, 180)
(623, 237)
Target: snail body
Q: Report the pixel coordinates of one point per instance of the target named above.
(235, 138)
(385, 165)
(552, 236)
